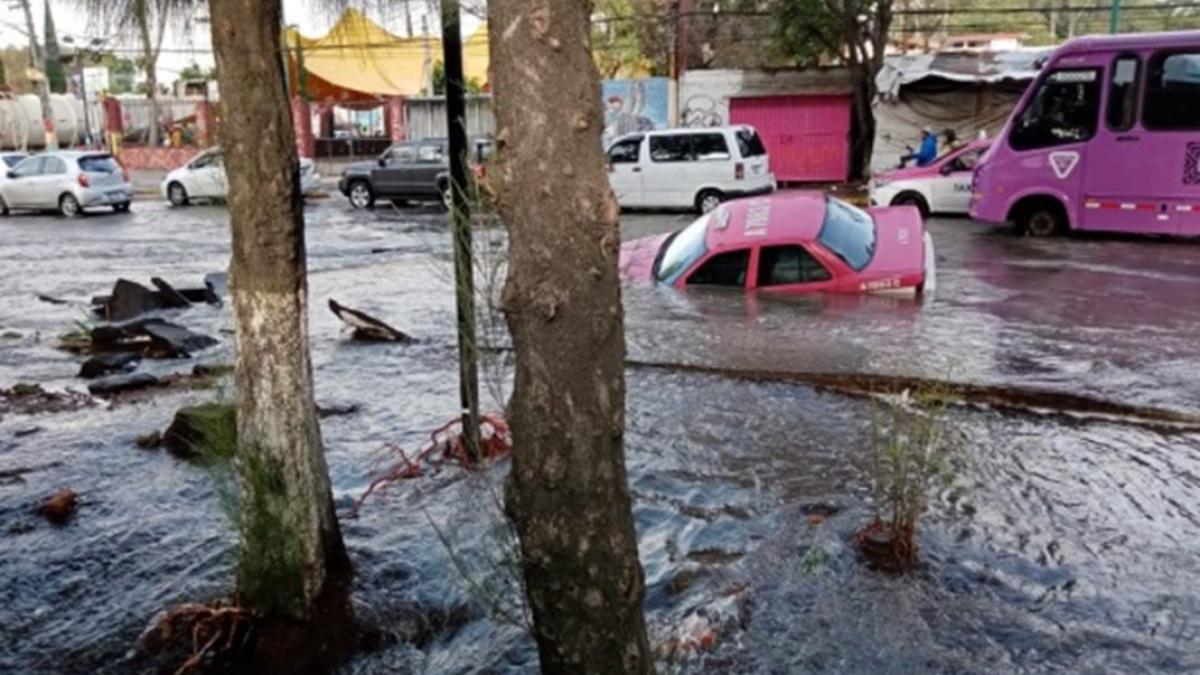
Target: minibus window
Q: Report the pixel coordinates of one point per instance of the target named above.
(1064, 109)
(1122, 93)
(1173, 92)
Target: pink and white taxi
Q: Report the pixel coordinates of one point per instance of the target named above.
(791, 242)
(942, 187)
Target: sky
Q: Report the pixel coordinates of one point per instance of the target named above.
(180, 49)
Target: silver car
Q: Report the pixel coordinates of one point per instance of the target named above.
(67, 182)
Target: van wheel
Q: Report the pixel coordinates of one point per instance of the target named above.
(708, 200)
(1043, 220)
(912, 199)
(360, 195)
(68, 206)
(177, 194)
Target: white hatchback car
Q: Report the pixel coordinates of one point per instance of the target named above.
(204, 178)
(689, 168)
(68, 182)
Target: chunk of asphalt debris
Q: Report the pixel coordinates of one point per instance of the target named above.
(168, 296)
(337, 410)
(212, 369)
(367, 328)
(52, 300)
(218, 285)
(106, 364)
(174, 339)
(129, 300)
(155, 337)
(117, 384)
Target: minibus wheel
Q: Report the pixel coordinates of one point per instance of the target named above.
(1043, 219)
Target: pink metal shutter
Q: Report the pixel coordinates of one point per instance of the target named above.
(808, 137)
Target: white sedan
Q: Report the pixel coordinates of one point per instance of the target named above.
(204, 178)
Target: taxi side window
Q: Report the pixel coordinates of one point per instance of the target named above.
(965, 161)
(723, 269)
(785, 265)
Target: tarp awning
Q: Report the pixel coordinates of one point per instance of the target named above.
(358, 61)
(987, 67)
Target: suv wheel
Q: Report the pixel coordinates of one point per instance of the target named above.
(360, 195)
(708, 200)
(68, 206)
(177, 194)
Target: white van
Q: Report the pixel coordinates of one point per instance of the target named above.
(688, 168)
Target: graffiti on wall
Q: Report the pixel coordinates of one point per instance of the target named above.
(635, 105)
(701, 111)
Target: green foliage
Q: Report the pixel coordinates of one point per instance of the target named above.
(815, 559)
(55, 73)
(121, 75)
(473, 85)
(913, 451)
(195, 71)
(628, 41)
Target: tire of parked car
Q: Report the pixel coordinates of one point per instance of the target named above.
(123, 207)
(360, 195)
(3, 207)
(443, 188)
(708, 200)
(912, 199)
(68, 206)
(177, 194)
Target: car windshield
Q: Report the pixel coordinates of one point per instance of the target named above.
(683, 249)
(849, 233)
(13, 160)
(99, 164)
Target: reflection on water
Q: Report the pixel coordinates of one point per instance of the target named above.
(1072, 549)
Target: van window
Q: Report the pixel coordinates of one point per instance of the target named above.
(1173, 92)
(709, 146)
(673, 148)
(1122, 93)
(626, 151)
(749, 144)
(1064, 109)
(785, 265)
(723, 269)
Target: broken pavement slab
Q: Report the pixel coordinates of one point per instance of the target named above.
(366, 327)
(119, 384)
(130, 300)
(107, 364)
(153, 337)
(32, 399)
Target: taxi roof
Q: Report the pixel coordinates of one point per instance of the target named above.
(789, 216)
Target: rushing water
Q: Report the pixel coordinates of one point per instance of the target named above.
(1071, 546)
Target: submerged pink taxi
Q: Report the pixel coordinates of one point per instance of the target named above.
(791, 242)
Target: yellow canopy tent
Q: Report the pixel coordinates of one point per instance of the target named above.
(359, 62)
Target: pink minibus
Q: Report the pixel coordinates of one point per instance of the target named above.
(1107, 138)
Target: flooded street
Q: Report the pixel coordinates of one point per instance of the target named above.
(1071, 545)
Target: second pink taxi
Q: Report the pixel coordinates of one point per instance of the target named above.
(791, 242)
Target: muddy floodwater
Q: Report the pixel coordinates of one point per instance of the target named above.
(1071, 543)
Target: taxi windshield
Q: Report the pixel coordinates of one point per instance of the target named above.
(682, 250)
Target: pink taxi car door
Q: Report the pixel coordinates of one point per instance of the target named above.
(790, 268)
(1131, 171)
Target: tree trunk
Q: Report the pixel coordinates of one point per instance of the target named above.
(149, 63)
(567, 493)
(292, 566)
(862, 132)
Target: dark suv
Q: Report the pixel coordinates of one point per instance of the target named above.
(409, 170)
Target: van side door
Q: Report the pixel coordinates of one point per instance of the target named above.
(625, 171)
(1171, 136)
(1129, 179)
(1052, 134)
(665, 173)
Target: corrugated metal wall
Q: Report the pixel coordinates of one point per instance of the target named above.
(427, 117)
(808, 137)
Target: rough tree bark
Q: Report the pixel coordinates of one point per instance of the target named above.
(150, 65)
(292, 566)
(567, 493)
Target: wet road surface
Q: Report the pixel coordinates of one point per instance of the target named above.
(1070, 547)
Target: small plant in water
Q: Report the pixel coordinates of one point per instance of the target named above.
(913, 451)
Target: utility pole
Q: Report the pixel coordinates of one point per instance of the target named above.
(1114, 18)
(427, 66)
(38, 61)
(460, 224)
(408, 31)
